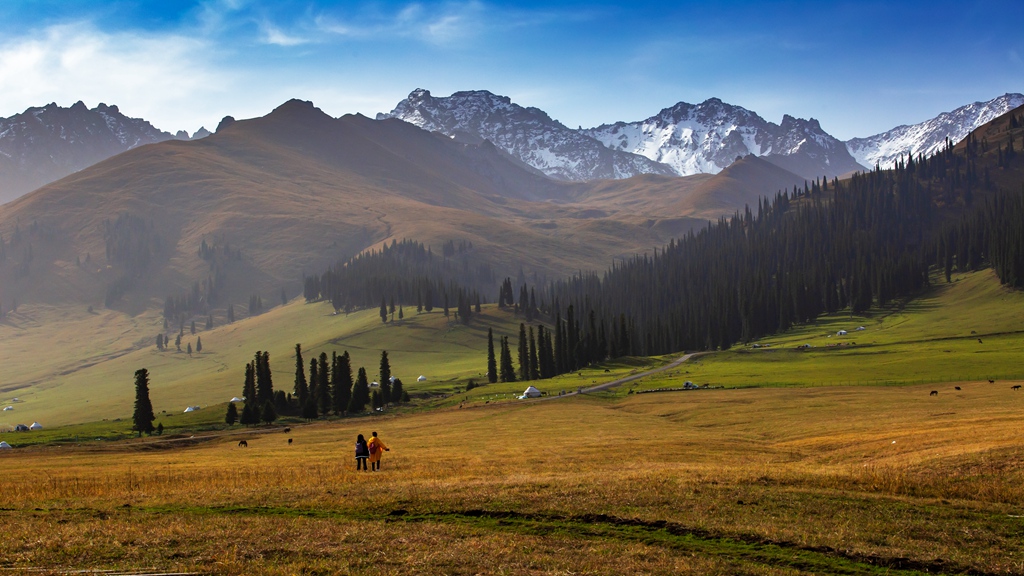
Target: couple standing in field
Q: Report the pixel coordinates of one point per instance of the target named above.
(371, 451)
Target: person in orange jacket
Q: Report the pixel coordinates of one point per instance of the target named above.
(377, 449)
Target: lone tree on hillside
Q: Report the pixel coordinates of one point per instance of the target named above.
(232, 415)
(492, 362)
(385, 368)
(142, 419)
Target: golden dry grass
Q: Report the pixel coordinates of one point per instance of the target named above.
(867, 473)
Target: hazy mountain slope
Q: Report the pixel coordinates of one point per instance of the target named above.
(43, 144)
(929, 136)
(526, 133)
(292, 192)
(707, 137)
(743, 183)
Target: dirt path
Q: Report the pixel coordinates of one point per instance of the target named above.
(675, 363)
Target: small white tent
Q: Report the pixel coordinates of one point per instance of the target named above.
(236, 399)
(36, 426)
(422, 378)
(531, 392)
(841, 333)
(191, 408)
(4, 445)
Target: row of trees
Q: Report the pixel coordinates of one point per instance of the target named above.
(329, 389)
(405, 273)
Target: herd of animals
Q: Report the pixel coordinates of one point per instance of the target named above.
(990, 381)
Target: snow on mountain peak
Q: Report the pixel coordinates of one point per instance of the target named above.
(524, 132)
(929, 136)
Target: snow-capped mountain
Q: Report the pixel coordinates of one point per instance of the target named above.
(43, 144)
(709, 136)
(528, 134)
(929, 136)
(682, 140)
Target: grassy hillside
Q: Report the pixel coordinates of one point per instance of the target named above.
(98, 383)
(969, 330)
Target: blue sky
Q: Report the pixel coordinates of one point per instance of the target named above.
(858, 67)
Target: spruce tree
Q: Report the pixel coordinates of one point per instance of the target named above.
(323, 386)
(523, 352)
(534, 361)
(232, 415)
(189, 351)
(309, 409)
(376, 400)
(199, 344)
(142, 419)
(360, 392)
(314, 379)
(268, 415)
(192, 328)
(507, 371)
(301, 390)
(342, 392)
(383, 310)
(397, 391)
(385, 368)
(231, 313)
(248, 417)
(492, 363)
(264, 381)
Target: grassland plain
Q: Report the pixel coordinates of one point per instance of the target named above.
(768, 475)
(854, 480)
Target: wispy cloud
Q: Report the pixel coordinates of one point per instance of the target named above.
(274, 35)
(436, 25)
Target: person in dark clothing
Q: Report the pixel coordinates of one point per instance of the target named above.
(362, 453)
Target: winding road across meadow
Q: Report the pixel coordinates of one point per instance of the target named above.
(613, 383)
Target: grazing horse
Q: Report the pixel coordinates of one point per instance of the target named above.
(991, 381)
(957, 387)
(934, 393)
(289, 440)
(1017, 387)
(287, 430)
(243, 444)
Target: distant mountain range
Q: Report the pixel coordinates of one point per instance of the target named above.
(929, 136)
(529, 134)
(43, 144)
(683, 139)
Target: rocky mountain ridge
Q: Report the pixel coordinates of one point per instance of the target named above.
(929, 136)
(45, 143)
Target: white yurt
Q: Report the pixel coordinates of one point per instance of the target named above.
(191, 408)
(422, 378)
(236, 399)
(531, 392)
(4, 445)
(36, 426)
